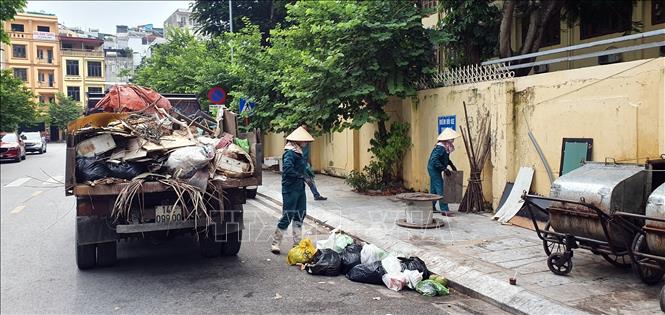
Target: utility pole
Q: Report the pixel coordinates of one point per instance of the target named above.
(231, 25)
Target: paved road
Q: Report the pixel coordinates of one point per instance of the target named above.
(39, 274)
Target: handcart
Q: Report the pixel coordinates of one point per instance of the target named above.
(581, 207)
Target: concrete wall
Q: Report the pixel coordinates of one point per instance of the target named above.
(621, 106)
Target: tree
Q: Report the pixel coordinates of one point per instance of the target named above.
(63, 111)
(213, 16)
(16, 102)
(540, 13)
(468, 31)
(8, 9)
(340, 61)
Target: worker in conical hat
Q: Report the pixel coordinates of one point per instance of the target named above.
(294, 203)
(439, 161)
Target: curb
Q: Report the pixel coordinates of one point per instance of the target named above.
(467, 280)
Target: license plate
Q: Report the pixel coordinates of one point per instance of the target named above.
(165, 214)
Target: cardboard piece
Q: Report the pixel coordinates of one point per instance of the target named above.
(134, 150)
(95, 145)
(453, 187)
(169, 142)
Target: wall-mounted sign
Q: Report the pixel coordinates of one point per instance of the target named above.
(447, 122)
(43, 35)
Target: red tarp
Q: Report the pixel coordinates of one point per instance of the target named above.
(132, 98)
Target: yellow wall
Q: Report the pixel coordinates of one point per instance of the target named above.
(33, 43)
(83, 81)
(621, 106)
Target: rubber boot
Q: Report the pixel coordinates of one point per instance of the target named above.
(296, 229)
(276, 240)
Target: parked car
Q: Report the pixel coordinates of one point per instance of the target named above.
(12, 147)
(34, 142)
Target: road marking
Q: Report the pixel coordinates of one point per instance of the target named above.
(37, 193)
(18, 182)
(18, 209)
(53, 180)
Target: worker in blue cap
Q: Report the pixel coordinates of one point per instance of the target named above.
(294, 202)
(439, 160)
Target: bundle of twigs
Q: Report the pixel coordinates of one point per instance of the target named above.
(473, 199)
(188, 197)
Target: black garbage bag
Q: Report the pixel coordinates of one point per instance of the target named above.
(126, 170)
(415, 263)
(326, 263)
(367, 273)
(350, 257)
(90, 168)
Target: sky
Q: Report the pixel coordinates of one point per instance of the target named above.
(105, 15)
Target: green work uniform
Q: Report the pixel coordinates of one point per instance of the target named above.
(439, 160)
(293, 189)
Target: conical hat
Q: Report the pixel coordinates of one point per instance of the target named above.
(300, 135)
(447, 134)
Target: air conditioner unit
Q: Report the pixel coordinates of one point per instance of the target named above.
(541, 69)
(608, 59)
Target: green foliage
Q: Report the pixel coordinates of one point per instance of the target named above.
(383, 170)
(469, 31)
(8, 9)
(63, 111)
(370, 178)
(339, 61)
(213, 16)
(17, 103)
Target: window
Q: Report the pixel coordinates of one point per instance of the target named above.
(603, 20)
(657, 12)
(18, 51)
(72, 67)
(94, 69)
(74, 92)
(551, 31)
(40, 54)
(18, 28)
(428, 4)
(94, 89)
(67, 46)
(43, 29)
(21, 73)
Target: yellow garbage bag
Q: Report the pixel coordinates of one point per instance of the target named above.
(301, 253)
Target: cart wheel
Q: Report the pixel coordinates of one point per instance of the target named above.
(662, 299)
(559, 264)
(622, 261)
(550, 246)
(648, 274)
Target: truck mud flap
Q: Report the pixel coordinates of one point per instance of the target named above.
(93, 230)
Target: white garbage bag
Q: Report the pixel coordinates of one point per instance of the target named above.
(371, 253)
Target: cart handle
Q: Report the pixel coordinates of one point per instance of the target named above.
(639, 216)
(614, 161)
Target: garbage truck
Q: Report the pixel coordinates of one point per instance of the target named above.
(148, 203)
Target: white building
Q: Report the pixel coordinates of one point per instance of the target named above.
(181, 18)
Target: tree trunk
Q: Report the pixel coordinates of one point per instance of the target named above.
(505, 29)
(383, 132)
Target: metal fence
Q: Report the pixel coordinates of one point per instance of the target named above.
(465, 75)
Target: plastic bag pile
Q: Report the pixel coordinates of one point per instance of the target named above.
(339, 254)
(140, 132)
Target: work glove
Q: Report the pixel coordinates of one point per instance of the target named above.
(453, 167)
(447, 172)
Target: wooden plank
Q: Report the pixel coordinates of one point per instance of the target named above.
(453, 188)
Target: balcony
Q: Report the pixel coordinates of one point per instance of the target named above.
(46, 85)
(81, 53)
(46, 61)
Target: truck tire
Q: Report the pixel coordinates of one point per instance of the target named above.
(231, 246)
(251, 192)
(107, 254)
(209, 248)
(85, 256)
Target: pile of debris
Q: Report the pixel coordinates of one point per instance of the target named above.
(366, 263)
(136, 141)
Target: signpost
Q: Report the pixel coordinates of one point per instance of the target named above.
(447, 122)
(217, 95)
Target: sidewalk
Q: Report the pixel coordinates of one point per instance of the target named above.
(479, 255)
